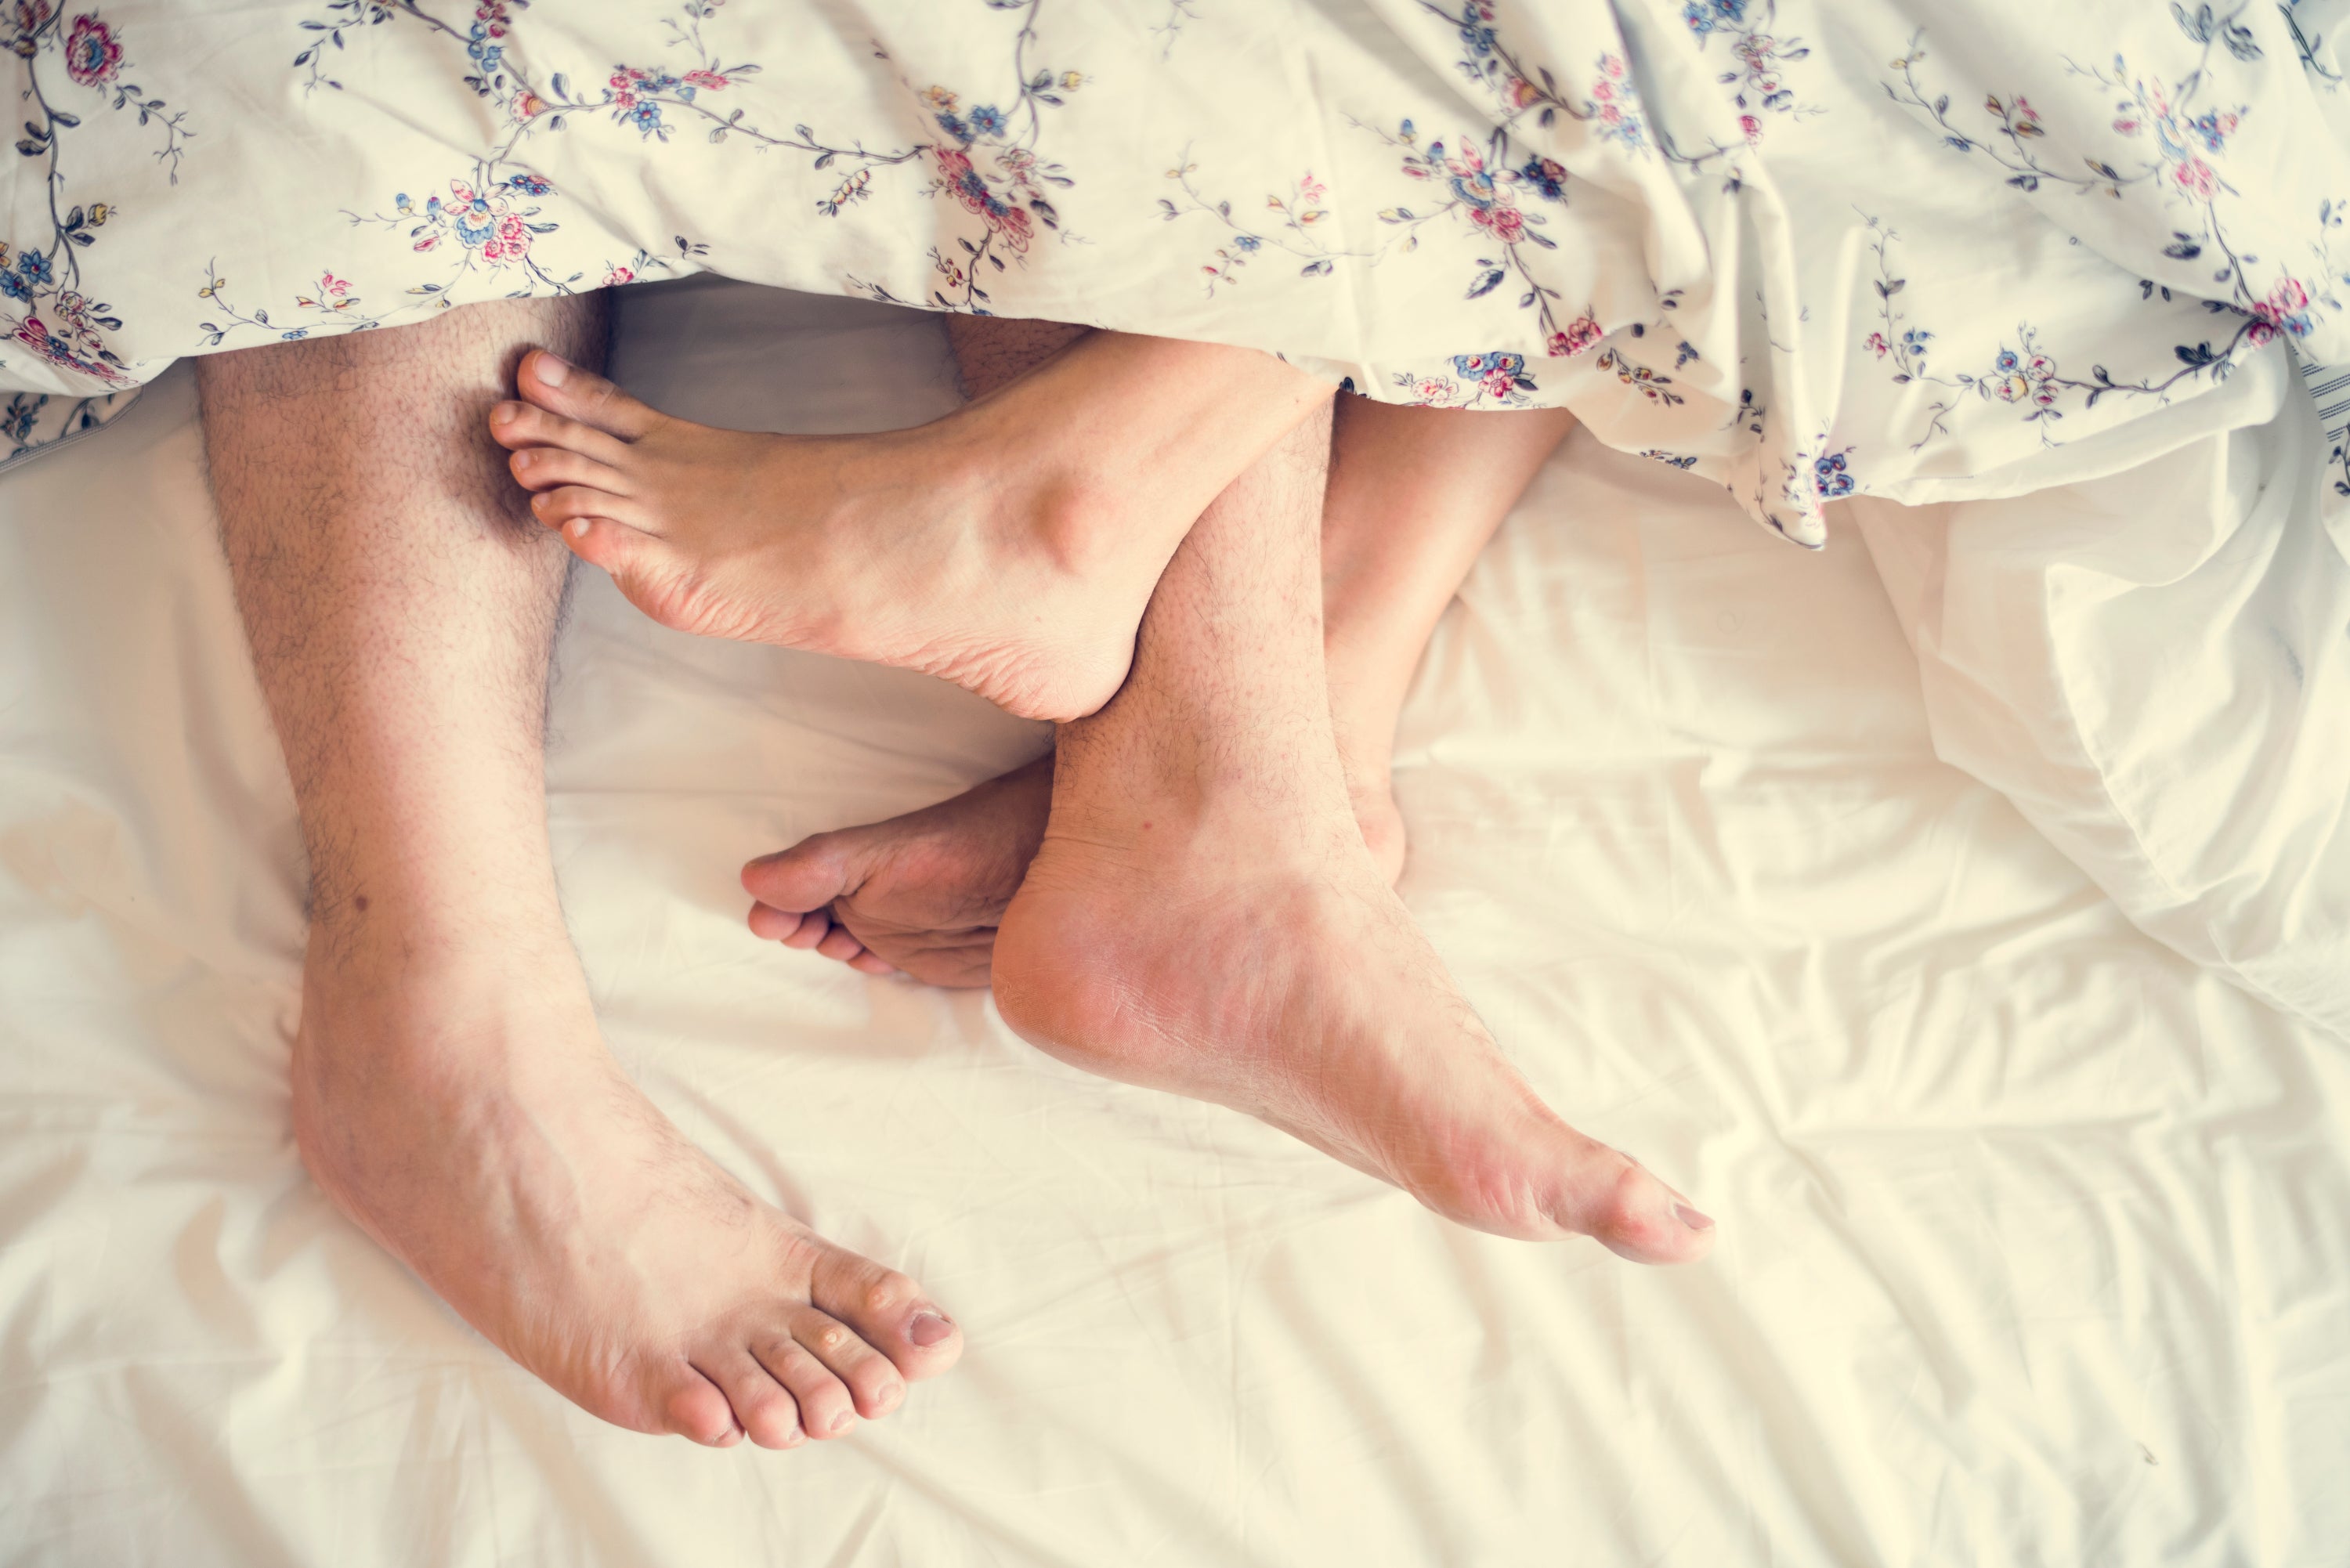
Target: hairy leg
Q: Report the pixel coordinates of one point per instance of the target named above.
(1204, 810)
(450, 1090)
(1414, 494)
(1009, 547)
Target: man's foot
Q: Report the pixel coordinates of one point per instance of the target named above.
(921, 894)
(1169, 943)
(477, 1128)
(918, 894)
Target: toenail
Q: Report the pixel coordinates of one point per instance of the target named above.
(928, 1328)
(576, 527)
(504, 414)
(552, 369)
(840, 1422)
(1691, 1217)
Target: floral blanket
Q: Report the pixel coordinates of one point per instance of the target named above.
(1808, 248)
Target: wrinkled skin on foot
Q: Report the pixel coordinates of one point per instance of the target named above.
(473, 1123)
(1328, 1015)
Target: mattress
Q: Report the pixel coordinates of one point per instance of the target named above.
(2030, 1246)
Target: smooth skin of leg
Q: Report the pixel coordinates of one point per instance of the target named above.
(1204, 810)
(1009, 547)
(449, 1089)
(1414, 495)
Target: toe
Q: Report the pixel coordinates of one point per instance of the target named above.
(554, 507)
(872, 1381)
(1613, 1198)
(825, 1408)
(764, 1409)
(775, 925)
(888, 1310)
(562, 388)
(809, 874)
(696, 1409)
(545, 467)
(814, 927)
(872, 963)
(839, 946)
(517, 426)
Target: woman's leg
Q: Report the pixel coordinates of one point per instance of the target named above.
(1009, 547)
(1414, 494)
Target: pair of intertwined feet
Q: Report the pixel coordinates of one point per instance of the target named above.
(610, 1256)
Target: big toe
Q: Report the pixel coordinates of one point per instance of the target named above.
(808, 876)
(1613, 1198)
(888, 1311)
(558, 386)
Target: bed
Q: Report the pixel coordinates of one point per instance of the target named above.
(2032, 1243)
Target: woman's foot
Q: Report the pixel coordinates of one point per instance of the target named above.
(477, 1128)
(1205, 946)
(1009, 547)
(921, 894)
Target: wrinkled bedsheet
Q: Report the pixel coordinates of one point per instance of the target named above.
(1807, 248)
(2033, 1244)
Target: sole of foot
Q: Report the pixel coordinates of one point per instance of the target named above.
(1328, 1015)
(931, 549)
(922, 894)
(478, 1129)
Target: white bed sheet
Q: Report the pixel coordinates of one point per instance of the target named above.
(2030, 1246)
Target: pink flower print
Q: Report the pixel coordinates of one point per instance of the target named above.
(1582, 335)
(1506, 224)
(510, 242)
(709, 81)
(2040, 367)
(2259, 333)
(1750, 127)
(619, 276)
(2289, 296)
(1875, 341)
(2012, 388)
(1431, 389)
(92, 56)
(1522, 92)
(1310, 188)
(1612, 66)
(2196, 178)
(333, 288)
(1603, 90)
(2128, 126)
(526, 105)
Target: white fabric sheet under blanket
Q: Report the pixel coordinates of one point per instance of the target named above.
(2031, 1251)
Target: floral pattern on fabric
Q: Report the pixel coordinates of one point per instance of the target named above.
(2066, 219)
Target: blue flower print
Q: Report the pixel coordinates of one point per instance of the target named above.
(530, 184)
(1705, 16)
(986, 120)
(1830, 477)
(14, 287)
(34, 265)
(647, 118)
(1544, 176)
(1247, 241)
(951, 123)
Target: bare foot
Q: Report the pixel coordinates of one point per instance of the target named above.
(1323, 1011)
(476, 1127)
(922, 894)
(1009, 547)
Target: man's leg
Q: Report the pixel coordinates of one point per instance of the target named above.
(1414, 495)
(451, 1093)
(1204, 812)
